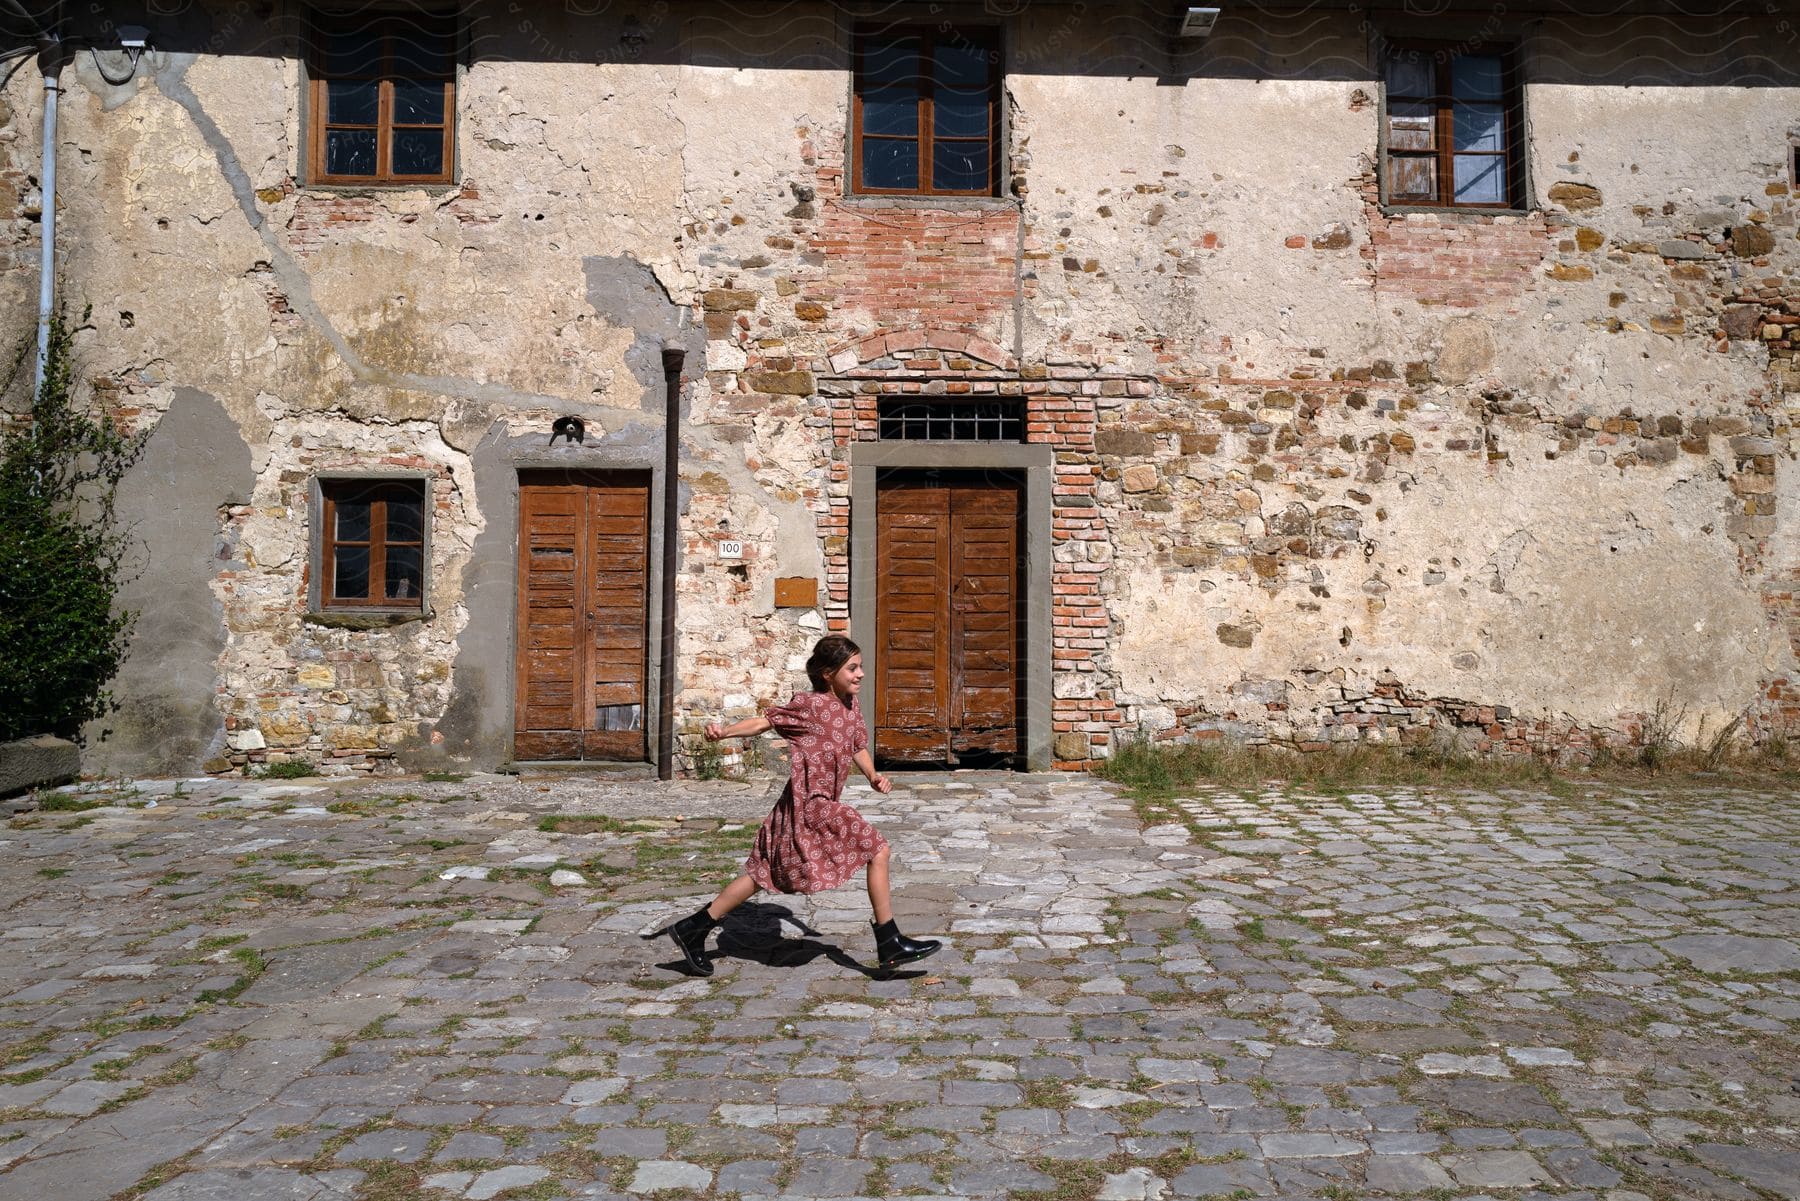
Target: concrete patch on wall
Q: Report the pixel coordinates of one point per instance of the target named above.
(195, 467)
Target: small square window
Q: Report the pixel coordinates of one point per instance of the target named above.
(1455, 127)
(383, 98)
(371, 544)
(926, 118)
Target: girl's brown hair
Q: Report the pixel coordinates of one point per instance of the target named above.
(830, 653)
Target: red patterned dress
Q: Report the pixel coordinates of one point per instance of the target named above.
(811, 841)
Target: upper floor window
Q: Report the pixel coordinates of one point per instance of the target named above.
(383, 98)
(1455, 127)
(927, 112)
(371, 544)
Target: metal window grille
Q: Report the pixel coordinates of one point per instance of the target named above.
(915, 420)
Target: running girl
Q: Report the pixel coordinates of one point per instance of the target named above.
(811, 841)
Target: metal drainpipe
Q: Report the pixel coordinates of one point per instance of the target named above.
(672, 358)
(50, 60)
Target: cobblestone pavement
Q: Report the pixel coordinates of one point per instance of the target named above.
(306, 992)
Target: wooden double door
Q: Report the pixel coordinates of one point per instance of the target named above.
(948, 649)
(583, 615)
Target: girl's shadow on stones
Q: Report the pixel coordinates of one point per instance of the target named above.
(754, 931)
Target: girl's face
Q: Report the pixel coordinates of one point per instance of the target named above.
(846, 681)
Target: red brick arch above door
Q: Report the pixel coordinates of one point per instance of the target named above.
(959, 353)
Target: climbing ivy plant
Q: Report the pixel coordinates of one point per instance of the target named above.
(63, 553)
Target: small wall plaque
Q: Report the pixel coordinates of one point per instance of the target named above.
(797, 592)
(731, 550)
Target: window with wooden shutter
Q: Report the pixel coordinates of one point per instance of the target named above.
(371, 544)
(1455, 127)
(926, 119)
(382, 99)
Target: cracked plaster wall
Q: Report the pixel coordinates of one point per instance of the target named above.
(1201, 269)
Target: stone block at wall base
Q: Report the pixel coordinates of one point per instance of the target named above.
(37, 762)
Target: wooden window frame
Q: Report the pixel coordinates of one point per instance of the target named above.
(1439, 56)
(379, 25)
(984, 36)
(326, 543)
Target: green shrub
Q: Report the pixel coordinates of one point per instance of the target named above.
(287, 769)
(62, 556)
(708, 760)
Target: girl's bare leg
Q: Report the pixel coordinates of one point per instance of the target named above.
(733, 895)
(879, 900)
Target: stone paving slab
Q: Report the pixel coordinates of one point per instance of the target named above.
(248, 991)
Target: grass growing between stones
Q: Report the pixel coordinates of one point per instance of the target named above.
(1080, 1180)
(1155, 772)
(1158, 771)
(592, 823)
(65, 802)
(286, 769)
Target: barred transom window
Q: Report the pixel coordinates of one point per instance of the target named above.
(916, 420)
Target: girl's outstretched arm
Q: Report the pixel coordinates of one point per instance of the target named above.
(747, 728)
(865, 763)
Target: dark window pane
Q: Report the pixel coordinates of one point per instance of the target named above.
(1411, 74)
(1480, 179)
(352, 521)
(959, 166)
(891, 61)
(418, 151)
(960, 113)
(405, 520)
(890, 163)
(1412, 179)
(891, 111)
(960, 63)
(418, 102)
(350, 152)
(1479, 127)
(420, 49)
(352, 102)
(403, 572)
(1412, 125)
(354, 51)
(350, 580)
(1475, 77)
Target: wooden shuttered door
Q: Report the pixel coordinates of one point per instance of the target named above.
(583, 606)
(947, 662)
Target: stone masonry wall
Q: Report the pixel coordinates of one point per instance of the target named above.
(1324, 471)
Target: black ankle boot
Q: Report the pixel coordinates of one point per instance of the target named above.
(690, 935)
(893, 948)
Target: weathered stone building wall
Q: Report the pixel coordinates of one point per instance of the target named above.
(1323, 471)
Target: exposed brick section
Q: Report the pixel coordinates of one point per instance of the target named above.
(910, 267)
(318, 216)
(1060, 411)
(1454, 259)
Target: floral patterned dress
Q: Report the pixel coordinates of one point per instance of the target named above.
(811, 841)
